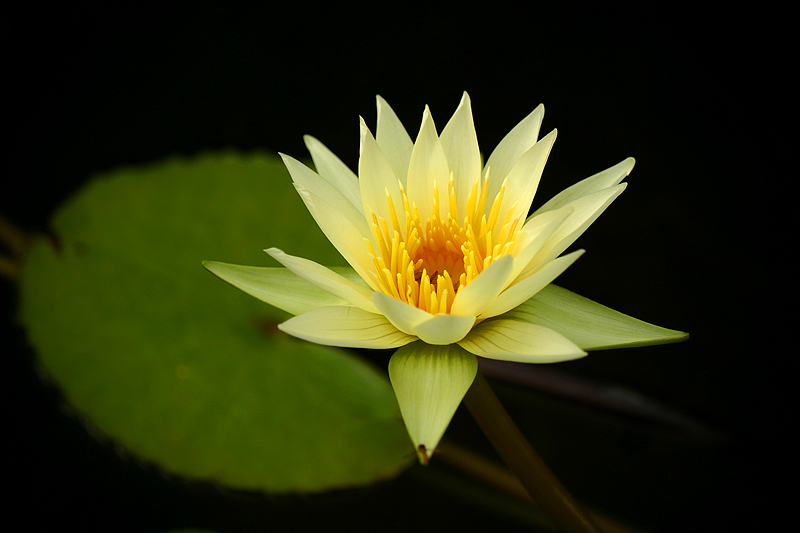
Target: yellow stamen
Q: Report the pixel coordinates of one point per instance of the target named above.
(406, 248)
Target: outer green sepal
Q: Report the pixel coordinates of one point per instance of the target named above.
(279, 286)
(588, 324)
(430, 382)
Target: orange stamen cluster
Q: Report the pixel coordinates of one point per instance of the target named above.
(425, 263)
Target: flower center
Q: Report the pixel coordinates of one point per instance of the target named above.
(426, 262)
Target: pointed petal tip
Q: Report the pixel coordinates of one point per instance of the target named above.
(310, 140)
(444, 330)
(212, 266)
(364, 132)
(215, 267)
(550, 137)
(293, 165)
(382, 105)
(427, 117)
(631, 162)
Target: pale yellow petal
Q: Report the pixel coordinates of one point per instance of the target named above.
(590, 325)
(525, 287)
(376, 179)
(512, 340)
(585, 210)
(536, 235)
(602, 180)
(523, 178)
(279, 287)
(482, 291)
(444, 329)
(347, 327)
(334, 171)
(343, 233)
(514, 144)
(460, 145)
(428, 165)
(309, 180)
(405, 317)
(327, 280)
(393, 140)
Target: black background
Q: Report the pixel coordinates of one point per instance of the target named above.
(686, 93)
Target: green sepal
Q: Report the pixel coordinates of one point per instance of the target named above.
(588, 324)
(430, 382)
(279, 286)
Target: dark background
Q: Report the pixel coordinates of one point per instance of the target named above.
(686, 93)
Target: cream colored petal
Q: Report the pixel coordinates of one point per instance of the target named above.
(393, 140)
(376, 179)
(602, 180)
(524, 288)
(278, 287)
(585, 211)
(335, 172)
(347, 327)
(523, 342)
(536, 234)
(481, 292)
(460, 145)
(444, 329)
(590, 325)
(311, 181)
(349, 273)
(428, 165)
(345, 236)
(518, 141)
(327, 280)
(430, 382)
(405, 317)
(523, 179)
(433, 329)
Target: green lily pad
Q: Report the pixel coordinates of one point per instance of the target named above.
(178, 367)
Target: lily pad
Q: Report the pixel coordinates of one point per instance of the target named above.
(183, 370)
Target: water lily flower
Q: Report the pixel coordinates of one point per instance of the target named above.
(445, 262)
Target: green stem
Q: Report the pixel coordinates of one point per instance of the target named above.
(522, 459)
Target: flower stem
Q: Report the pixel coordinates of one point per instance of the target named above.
(522, 459)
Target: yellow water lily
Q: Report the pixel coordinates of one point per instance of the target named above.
(445, 262)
